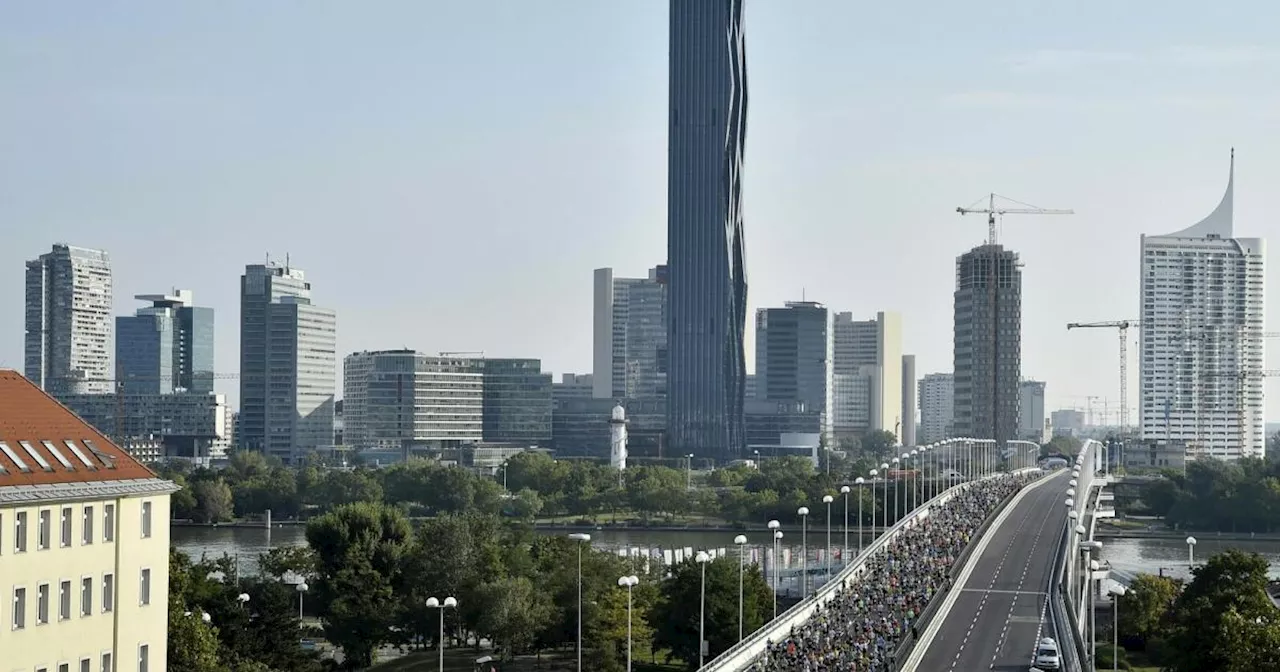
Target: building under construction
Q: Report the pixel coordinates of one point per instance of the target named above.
(988, 343)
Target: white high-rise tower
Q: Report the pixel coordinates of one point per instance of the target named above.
(618, 438)
(1202, 357)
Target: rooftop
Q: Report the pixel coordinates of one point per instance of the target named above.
(44, 443)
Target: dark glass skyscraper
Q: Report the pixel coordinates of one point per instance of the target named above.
(707, 284)
(166, 346)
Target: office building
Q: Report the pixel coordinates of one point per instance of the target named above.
(516, 402)
(67, 341)
(166, 347)
(909, 400)
(1202, 341)
(84, 565)
(572, 386)
(988, 343)
(1067, 422)
(287, 364)
(630, 335)
(1031, 419)
(937, 407)
(706, 274)
(580, 426)
(768, 423)
(867, 370)
(794, 357)
(406, 400)
(184, 425)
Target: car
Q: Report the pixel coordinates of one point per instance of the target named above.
(1047, 657)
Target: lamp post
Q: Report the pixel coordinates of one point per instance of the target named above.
(896, 489)
(906, 480)
(916, 471)
(859, 481)
(777, 536)
(803, 512)
(1191, 550)
(884, 505)
(449, 603)
(844, 555)
(1117, 591)
(688, 471)
(1072, 518)
(581, 538)
(628, 582)
(702, 558)
(827, 499)
(741, 541)
(1093, 617)
(302, 588)
(504, 475)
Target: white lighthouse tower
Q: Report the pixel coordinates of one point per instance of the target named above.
(618, 438)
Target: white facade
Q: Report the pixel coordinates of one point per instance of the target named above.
(867, 353)
(1031, 417)
(629, 335)
(937, 406)
(1201, 350)
(618, 438)
(68, 347)
(391, 398)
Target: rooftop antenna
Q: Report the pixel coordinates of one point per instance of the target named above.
(286, 262)
(802, 296)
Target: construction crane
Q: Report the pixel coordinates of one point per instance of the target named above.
(1123, 326)
(991, 211)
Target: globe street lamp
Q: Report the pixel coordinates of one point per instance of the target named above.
(741, 541)
(844, 555)
(803, 512)
(449, 603)
(859, 481)
(302, 588)
(827, 499)
(896, 468)
(1191, 550)
(906, 478)
(884, 515)
(702, 558)
(689, 471)
(777, 535)
(628, 582)
(581, 538)
(915, 476)
(1117, 591)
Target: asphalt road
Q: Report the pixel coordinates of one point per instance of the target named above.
(998, 616)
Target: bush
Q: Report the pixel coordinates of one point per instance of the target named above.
(1104, 661)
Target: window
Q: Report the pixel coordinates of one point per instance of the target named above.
(64, 600)
(86, 526)
(144, 588)
(19, 608)
(146, 520)
(64, 667)
(144, 655)
(20, 532)
(106, 662)
(108, 592)
(42, 604)
(66, 526)
(86, 596)
(108, 523)
(86, 665)
(42, 534)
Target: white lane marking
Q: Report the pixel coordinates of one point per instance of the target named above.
(1022, 579)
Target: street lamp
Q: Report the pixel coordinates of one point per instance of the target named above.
(581, 538)
(702, 558)
(803, 512)
(449, 603)
(777, 535)
(884, 505)
(504, 475)
(915, 475)
(895, 491)
(827, 499)
(689, 471)
(741, 541)
(844, 555)
(243, 599)
(906, 478)
(859, 481)
(1191, 550)
(302, 588)
(628, 582)
(1117, 591)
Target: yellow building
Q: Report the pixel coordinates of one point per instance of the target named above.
(84, 544)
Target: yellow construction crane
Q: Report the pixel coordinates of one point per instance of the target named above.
(1123, 326)
(992, 211)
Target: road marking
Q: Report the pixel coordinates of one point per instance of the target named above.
(935, 623)
(1005, 592)
(1021, 580)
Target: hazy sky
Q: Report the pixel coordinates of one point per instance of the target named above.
(448, 173)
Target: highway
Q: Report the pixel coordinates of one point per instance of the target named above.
(999, 613)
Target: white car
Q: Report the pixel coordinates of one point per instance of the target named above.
(1047, 655)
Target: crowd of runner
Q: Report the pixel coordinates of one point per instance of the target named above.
(860, 628)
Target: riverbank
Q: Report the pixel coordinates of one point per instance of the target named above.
(544, 526)
(1102, 532)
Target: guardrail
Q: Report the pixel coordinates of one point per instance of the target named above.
(1067, 606)
(741, 654)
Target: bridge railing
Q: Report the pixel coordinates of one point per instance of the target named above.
(740, 655)
(1067, 603)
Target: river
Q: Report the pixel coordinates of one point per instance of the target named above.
(1128, 556)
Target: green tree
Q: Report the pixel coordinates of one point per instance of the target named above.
(1226, 591)
(610, 633)
(360, 552)
(213, 501)
(514, 612)
(676, 613)
(193, 644)
(1146, 609)
(182, 504)
(1062, 444)
(879, 442)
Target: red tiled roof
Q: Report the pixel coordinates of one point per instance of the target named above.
(42, 442)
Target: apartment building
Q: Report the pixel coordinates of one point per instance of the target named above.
(84, 544)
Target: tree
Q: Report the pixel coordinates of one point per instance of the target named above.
(610, 632)
(514, 611)
(678, 609)
(1226, 592)
(1062, 444)
(193, 644)
(360, 551)
(213, 501)
(1147, 607)
(879, 442)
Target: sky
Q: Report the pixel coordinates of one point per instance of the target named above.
(449, 172)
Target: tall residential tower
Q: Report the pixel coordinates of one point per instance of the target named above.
(1202, 357)
(707, 290)
(867, 374)
(165, 347)
(68, 321)
(988, 343)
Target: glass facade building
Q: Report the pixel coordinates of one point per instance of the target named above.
(516, 402)
(706, 266)
(166, 347)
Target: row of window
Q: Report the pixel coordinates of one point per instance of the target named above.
(106, 663)
(44, 527)
(43, 596)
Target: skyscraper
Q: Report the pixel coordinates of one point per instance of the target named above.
(793, 357)
(937, 407)
(988, 343)
(630, 335)
(67, 346)
(908, 435)
(1031, 411)
(166, 346)
(707, 290)
(1202, 355)
(287, 363)
(867, 374)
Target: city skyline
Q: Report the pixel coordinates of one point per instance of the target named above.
(814, 149)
